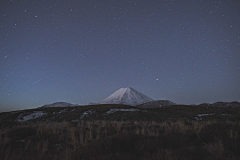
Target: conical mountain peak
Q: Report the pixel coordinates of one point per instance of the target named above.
(127, 96)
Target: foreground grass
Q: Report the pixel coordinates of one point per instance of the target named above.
(120, 140)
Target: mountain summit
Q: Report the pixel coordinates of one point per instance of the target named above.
(127, 96)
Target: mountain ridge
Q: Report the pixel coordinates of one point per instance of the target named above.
(59, 104)
(155, 104)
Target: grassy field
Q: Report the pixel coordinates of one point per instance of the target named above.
(162, 133)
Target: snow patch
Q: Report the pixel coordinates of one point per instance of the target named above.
(199, 116)
(61, 111)
(87, 113)
(34, 115)
(64, 110)
(206, 114)
(121, 110)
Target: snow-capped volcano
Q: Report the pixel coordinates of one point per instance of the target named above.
(127, 96)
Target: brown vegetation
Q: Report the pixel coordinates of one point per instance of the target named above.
(120, 140)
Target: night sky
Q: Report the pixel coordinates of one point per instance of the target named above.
(81, 51)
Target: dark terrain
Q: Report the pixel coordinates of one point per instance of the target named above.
(121, 132)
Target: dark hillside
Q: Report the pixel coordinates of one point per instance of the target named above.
(121, 132)
(123, 113)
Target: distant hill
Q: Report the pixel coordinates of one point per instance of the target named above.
(155, 104)
(221, 104)
(60, 104)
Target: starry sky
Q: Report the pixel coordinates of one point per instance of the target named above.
(81, 51)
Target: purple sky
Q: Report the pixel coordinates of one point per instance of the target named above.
(81, 51)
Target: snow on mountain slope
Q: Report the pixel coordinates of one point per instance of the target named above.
(34, 115)
(127, 96)
(60, 104)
